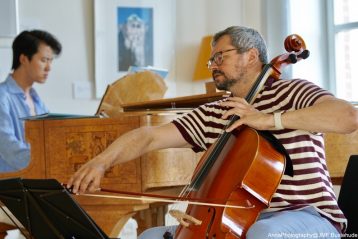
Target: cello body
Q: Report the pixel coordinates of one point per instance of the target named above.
(245, 174)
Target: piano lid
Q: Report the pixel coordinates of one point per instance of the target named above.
(185, 102)
(143, 91)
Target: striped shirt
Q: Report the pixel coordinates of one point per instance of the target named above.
(311, 184)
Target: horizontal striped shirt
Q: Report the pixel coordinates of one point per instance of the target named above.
(311, 184)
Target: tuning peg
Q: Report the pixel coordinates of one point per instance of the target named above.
(305, 54)
(292, 58)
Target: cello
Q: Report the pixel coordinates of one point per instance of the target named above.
(237, 175)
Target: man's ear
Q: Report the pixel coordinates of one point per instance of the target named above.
(23, 59)
(253, 56)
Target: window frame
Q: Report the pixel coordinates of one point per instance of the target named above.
(332, 30)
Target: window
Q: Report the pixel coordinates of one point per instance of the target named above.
(330, 30)
(307, 19)
(344, 35)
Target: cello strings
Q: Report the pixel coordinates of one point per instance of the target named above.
(222, 139)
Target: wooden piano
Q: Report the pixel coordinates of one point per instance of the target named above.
(60, 146)
(339, 147)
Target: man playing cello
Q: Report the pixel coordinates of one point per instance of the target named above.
(294, 111)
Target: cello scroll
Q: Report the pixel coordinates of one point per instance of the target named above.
(296, 51)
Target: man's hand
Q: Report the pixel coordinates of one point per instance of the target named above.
(88, 177)
(248, 115)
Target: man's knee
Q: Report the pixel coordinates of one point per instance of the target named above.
(261, 229)
(157, 232)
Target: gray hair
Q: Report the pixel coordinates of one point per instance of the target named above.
(244, 38)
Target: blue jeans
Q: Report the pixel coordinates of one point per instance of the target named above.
(157, 232)
(305, 223)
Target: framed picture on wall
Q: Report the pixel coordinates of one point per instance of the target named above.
(135, 37)
(9, 25)
(8, 18)
(132, 33)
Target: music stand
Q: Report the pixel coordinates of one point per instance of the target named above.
(46, 209)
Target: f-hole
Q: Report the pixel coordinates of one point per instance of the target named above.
(211, 221)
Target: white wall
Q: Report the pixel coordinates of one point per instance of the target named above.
(72, 22)
(196, 19)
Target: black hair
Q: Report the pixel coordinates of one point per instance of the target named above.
(27, 43)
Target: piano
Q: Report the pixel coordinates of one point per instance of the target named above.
(339, 147)
(60, 146)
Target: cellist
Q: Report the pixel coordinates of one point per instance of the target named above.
(296, 111)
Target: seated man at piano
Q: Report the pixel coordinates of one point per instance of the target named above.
(297, 112)
(33, 52)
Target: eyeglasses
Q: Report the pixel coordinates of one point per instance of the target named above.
(218, 58)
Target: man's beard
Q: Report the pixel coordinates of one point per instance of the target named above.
(225, 84)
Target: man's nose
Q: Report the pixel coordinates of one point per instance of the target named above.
(48, 66)
(213, 66)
